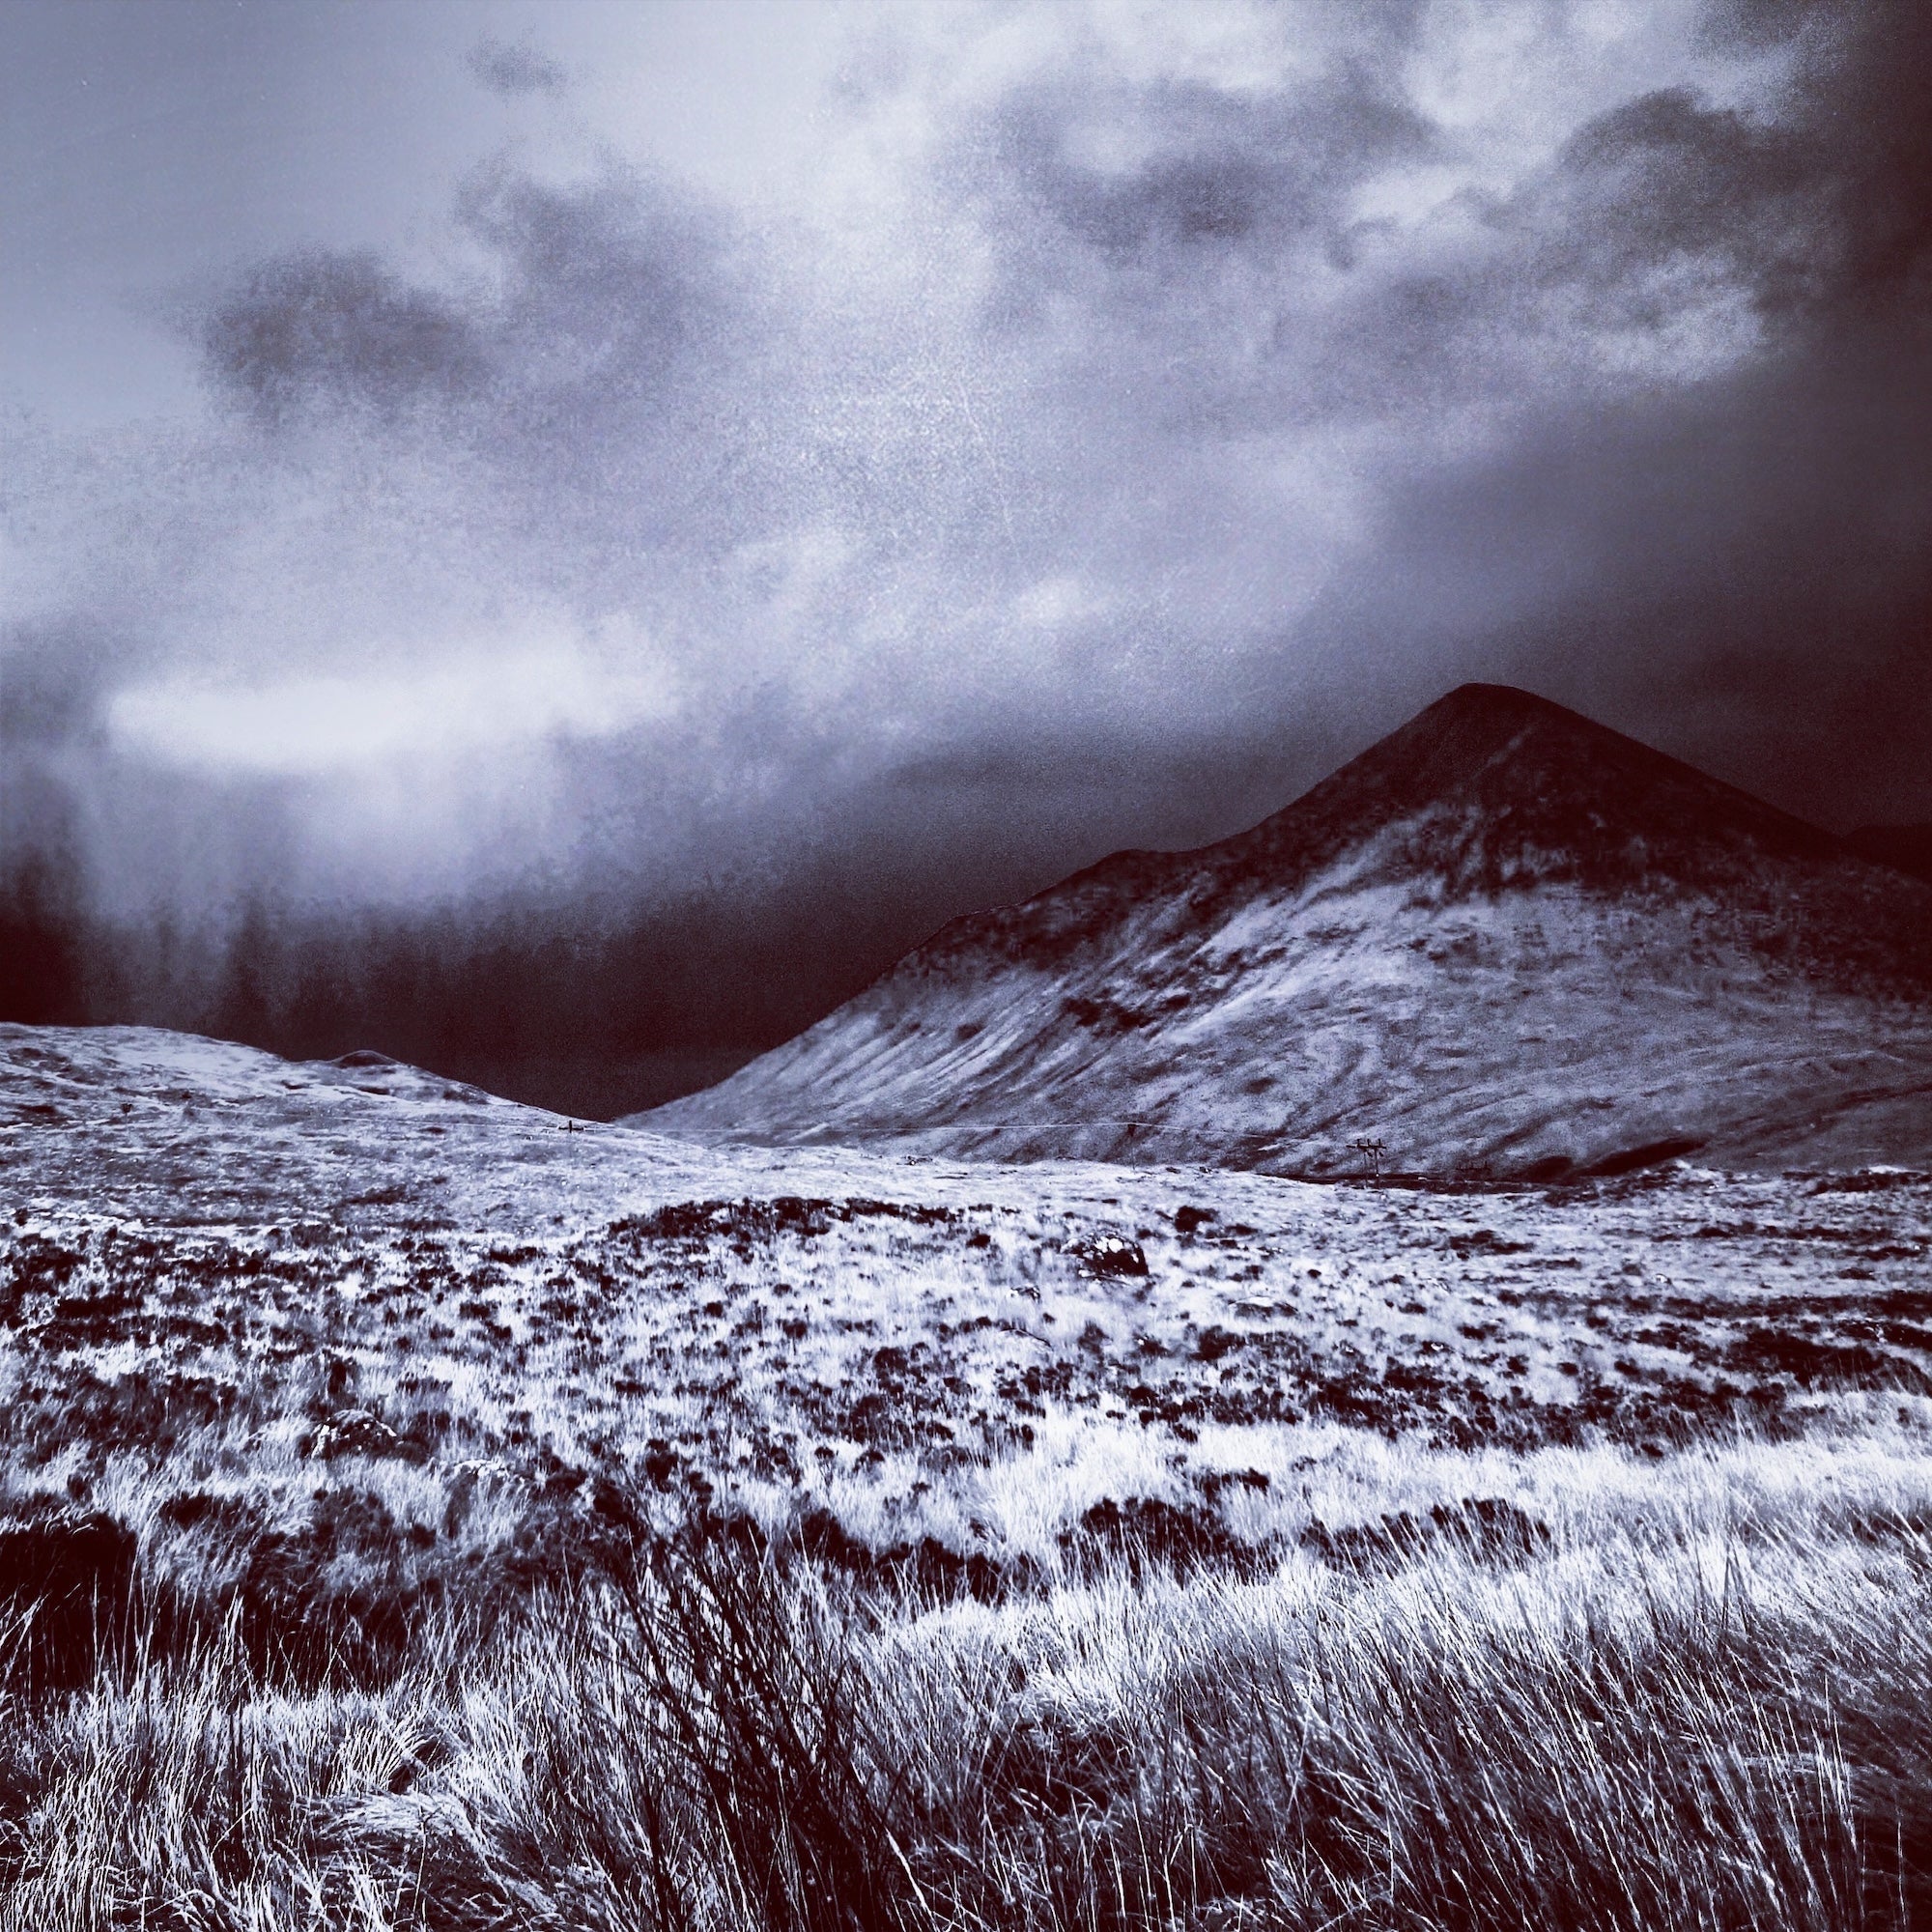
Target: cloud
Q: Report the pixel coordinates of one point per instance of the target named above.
(322, 328)
(51, 677)
(1164, 168)
(482, 697)
(516, 67)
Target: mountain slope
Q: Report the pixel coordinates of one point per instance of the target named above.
(1906, 847)
(1503, 939)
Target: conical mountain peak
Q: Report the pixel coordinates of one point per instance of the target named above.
(1491, 787)
(1505, 938)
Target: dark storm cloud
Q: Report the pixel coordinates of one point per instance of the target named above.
(594, 293)
(1740, 566)
(1701, 499)
(612, 297)
(516, 67)
(1667, 178)
(1827, 205)
(1872, 109)
(1218, 167)
(1747, 577)
(321, 327)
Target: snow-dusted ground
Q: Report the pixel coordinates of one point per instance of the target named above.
(327, 1394)
(188, 1221)
(1548, 1028)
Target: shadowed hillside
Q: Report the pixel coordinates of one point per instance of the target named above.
(1906, 847)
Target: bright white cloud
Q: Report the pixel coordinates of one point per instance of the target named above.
(476, 699)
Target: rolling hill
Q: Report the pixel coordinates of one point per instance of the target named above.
(1505, 940)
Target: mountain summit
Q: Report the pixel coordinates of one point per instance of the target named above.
(1504, 939)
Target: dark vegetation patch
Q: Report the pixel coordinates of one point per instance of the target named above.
(204, 1509)
(1141, 1532)
(348, 1596)
(929, 1569)
(1488, 1528)
(1215, 1482)
(36, 1265)
(1633, 1160)
(1106, 1016)
(1483, 1241)
(343, 1600)
(1452, 1408)
(1868, 1240)
(148, 1414)
(1216, 1342)
(755, 1220)
(1814, 1364)
(335, 1602)
(1867, 1180)
(67, 1578)
(391, 1196)
(1550, 1167)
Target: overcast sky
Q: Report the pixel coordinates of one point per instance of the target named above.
(457, 443)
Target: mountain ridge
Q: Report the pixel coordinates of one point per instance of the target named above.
(1501, 889)
(1465, 738)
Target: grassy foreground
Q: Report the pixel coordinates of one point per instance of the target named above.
(1629, 1692)
(415, 1514)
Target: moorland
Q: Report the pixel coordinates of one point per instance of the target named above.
(422, 1511)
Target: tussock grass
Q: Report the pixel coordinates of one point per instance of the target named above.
(487, 1527)
(1704, 1701)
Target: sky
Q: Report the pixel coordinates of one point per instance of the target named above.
(464, 452)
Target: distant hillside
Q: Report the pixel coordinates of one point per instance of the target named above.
(1505, 939)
